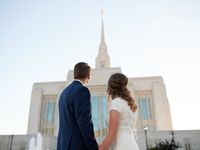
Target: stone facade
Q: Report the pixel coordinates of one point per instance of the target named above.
(44, 95)
(21, 142)
(188, 139)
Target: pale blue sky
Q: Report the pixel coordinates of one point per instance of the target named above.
(41, 40)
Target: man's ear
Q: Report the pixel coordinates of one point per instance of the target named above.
(89, 76)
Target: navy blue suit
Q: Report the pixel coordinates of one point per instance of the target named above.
(75, 119)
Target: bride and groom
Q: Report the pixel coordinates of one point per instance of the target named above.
(75, 118)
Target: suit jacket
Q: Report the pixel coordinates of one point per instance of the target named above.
(75, 119)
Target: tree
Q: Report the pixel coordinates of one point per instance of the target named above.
(166, 145)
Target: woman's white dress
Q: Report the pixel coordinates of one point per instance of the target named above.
(126, 136)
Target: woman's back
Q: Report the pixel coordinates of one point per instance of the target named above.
(126, 136)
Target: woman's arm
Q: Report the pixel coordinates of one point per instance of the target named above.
(113, 128)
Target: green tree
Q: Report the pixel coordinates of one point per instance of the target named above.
(166, 145)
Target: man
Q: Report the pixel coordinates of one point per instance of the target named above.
(75, 119)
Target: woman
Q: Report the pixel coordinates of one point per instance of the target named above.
(122, 116)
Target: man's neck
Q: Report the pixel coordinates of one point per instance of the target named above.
(81, 80)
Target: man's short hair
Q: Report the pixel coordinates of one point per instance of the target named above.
(81, 70)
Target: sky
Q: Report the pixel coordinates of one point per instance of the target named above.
(41, 40)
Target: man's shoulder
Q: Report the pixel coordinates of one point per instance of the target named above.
(75, 87)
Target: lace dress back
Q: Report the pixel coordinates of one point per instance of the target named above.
(126, 136)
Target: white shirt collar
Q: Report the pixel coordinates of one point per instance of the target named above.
(79, 81)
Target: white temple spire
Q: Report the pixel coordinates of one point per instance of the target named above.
(103, 59)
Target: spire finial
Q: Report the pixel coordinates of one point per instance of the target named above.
(102, 13)
(102, 26)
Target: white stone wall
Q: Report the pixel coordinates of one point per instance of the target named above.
(161, 107)
(155, 89)
(183, 137)
(38, 91)
(35, 111)
(21, 142)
